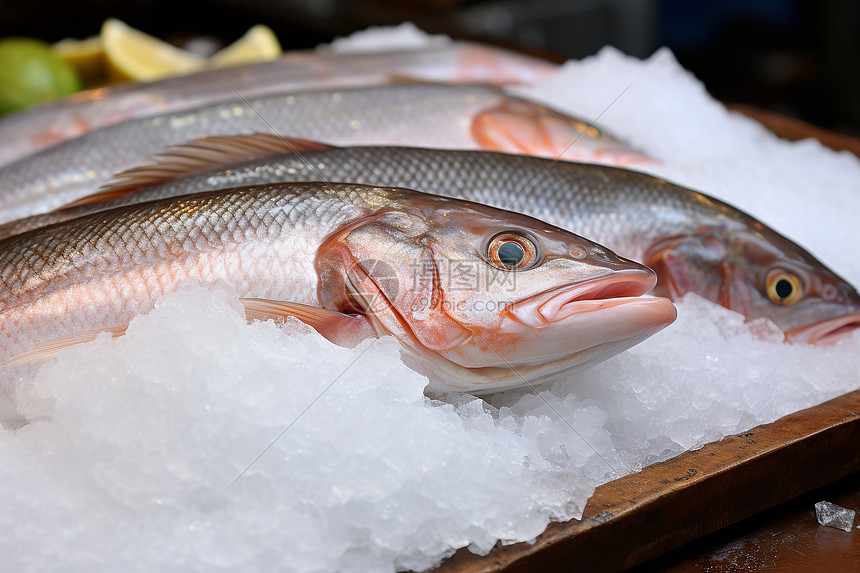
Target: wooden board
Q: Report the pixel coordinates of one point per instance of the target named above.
(641, 516)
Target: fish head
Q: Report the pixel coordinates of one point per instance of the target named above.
(484, 300)
(520, 126)
(759, 273)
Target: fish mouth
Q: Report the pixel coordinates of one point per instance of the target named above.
(548, 335)
(826, 332)
(562, 302)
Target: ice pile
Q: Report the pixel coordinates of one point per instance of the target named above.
(805, 191)
(832, 515)
(136, 441)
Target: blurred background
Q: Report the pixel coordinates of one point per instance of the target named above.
(799, 58)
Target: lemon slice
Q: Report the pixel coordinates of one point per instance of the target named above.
(134, 55)
(86, 56)
(258, 44)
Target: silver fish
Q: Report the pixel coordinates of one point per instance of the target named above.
(481, 299)
(695, 243)
(427, 115)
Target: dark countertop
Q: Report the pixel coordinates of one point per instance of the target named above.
(784, 539)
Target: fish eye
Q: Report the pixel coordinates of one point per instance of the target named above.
(511, 251)
(783, 288)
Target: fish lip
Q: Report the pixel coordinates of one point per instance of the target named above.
(563, 301)
(826, 332)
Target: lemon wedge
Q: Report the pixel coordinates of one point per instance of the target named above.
(134, 55)
(86, 56)
(257, 45)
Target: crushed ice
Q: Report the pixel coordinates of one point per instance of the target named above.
(406, 36)
(136, 441)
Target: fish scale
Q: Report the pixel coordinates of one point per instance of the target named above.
(80, 250)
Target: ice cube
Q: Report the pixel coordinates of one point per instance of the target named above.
(832, 515)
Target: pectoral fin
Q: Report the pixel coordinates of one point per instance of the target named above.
(47, 350)
(342, 329)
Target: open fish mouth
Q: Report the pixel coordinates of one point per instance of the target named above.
(558, 331)
(827, 331)
(599, 293)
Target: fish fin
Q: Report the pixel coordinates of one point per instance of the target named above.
(341, 329)
(198, 155)
(47, 350)
(98, 197)
(519, 126)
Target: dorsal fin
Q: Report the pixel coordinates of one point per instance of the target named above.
(198, 155)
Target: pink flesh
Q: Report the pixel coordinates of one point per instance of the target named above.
(827, 331)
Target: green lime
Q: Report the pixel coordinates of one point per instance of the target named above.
(30, 73)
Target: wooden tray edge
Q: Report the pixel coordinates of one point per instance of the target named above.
(643, 515)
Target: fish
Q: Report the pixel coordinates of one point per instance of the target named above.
(695, 242)
(480, 299)
(31, 130)
(425, 115)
